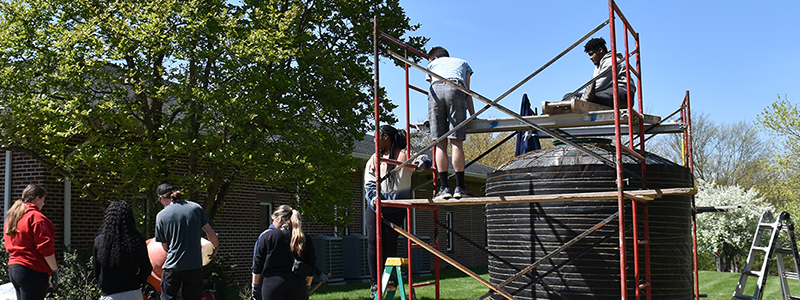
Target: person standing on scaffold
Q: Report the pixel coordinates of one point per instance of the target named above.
(447, 107)
(397, 185)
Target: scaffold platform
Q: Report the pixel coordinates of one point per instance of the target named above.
(593, 123)
(642, 195)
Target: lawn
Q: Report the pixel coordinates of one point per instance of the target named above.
(458, 286)
(718, 285)
(454, 285)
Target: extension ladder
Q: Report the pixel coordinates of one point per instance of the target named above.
(393, 268)
(773, 248)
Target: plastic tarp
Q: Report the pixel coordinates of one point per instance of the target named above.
(526, 140)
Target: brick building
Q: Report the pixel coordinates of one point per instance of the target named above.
(246, 211)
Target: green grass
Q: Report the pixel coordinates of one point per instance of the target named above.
(457, 285)
(454, 285)
(720, 285)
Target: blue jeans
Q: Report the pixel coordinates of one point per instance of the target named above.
(604, 97)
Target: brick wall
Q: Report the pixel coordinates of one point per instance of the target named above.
(86, 215)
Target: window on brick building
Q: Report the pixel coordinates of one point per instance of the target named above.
(266, 215)
(449, 220)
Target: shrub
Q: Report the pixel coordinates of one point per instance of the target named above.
(76, 280)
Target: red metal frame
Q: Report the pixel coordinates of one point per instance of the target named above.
(686, 117)
(377, 34)
(635, 116)
(376, 162)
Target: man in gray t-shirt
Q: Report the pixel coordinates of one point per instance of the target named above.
(178, 229)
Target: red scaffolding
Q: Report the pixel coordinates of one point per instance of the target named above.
(630, 119)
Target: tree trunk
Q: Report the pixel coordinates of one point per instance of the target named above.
(723, 263)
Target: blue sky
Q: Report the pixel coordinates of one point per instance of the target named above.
(735, 57)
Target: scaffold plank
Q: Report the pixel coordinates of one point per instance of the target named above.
(593, 118)
(589, 130)
(596, 196)
(609, 130)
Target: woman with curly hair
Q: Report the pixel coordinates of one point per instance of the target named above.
(30, 242)
(121, 264)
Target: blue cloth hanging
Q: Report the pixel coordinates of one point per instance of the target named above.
(527, 140)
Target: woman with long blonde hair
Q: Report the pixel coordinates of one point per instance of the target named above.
(274, 255)
(30, 242)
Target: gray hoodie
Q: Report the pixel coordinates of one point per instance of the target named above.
(606, 80)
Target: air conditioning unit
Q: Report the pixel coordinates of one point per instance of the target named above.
(354, 248)
(329, 256)
(420, 258)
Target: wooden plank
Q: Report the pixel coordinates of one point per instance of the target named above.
(571, 106)
(594, 118)
(609, 130)
(596, 129)
(596, 196)
(452, 262)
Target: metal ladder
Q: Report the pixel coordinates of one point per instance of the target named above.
(773, 248)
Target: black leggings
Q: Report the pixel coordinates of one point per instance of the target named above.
(283, 286)
(29, 284)
(388, 239)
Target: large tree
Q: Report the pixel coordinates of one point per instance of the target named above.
(474, 146)
(120, 96)
(477, 144)
(782, 186)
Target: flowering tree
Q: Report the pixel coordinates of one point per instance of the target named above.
(728, 235)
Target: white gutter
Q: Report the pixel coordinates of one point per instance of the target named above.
(7, 189)
(67, 213)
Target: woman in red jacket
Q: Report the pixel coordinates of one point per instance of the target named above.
(30, 242)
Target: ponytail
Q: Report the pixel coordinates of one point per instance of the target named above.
(167, 191)
(15, 213)
(298, 238)
(291, 217)
(398, 141)
(175, 196)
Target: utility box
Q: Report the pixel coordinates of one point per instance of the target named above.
(329, 256)
(354, 249)
(420, 258)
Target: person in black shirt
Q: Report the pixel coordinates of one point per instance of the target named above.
(121, 264)
(274, 255)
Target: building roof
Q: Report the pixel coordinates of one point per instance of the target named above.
(366, 147)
